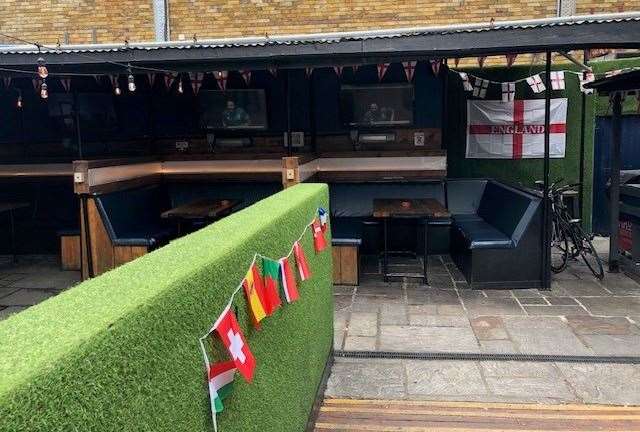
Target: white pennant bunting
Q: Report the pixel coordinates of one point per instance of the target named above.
(480, 87)
(66, 84)
(308, 72)
(511, 59)
(557, 80)
(338, 70)
(355, 68)
(273, 71)
(508, 91)
(435, 66)
(221, 78)
(196, 81)
(152, 79)
(536, 84)
(409, 69)
(465, 81)
(382, 69)
(586, 77)
(169, 78)
(246, 75)
(7, 82)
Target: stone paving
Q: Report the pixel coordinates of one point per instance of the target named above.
(578, 316)
(30, 280)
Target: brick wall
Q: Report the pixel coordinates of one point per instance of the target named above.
(81, 21)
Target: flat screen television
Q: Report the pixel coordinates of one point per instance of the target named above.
(377, 105)
(233, 109)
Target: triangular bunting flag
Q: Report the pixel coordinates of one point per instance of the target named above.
(338, 70)
(319, 241)
(480, 87)
(355, 68)
(586, 77)
(152, 79)
(288, 281)
(557, 80)
(511, 58)
(308, 72)
(481, 60)
(536, 84)
(382, 69)
(271, 275)
(435, 66)
(465, 81)
(221, 78)
(246, 75)
(169, 78)
(7, 82)
(229, 331)
(273, 71)
(221, 377)
(409, 69)
(508, 91)
(301, 261)
(196, 81)
(66, 84)
(254, 291)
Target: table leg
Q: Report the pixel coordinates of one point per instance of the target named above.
(426, 251)
(385, 255)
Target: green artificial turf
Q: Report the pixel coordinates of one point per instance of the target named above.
(120, 352)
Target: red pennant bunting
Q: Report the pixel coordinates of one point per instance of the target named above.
(382, 69)
(435, 66)
(169, 78)
(481, 61)
(66, 84)
(246, 75)
(511, 58)
(338, 70)
(409, 69)
(196, 81)
(221, 78)
(301, 261)
(319, 241)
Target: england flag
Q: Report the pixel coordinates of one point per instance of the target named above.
(514, 129)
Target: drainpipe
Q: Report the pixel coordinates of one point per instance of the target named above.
(161, 20)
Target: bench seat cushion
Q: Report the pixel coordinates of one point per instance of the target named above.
(143, 236)
(482, 235)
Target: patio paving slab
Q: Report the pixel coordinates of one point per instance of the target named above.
(25, 297)
(367, 379)
(603, 383)
(425, 339)
(431, 378)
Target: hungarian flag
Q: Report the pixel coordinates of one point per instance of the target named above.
(288, 281)
(220, 383)
(271, 273)
(301, 260)
(319, 242)
(254, 290)
(229, 331)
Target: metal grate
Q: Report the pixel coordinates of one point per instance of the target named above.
(488, 357)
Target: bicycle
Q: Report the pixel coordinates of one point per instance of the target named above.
(568, 239)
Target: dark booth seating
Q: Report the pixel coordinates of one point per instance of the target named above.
(132, 216)
(248, 193)
(495, 236)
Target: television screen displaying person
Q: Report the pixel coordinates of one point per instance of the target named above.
(375, 114)
(234, 116)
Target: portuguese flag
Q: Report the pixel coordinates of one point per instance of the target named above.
(271, 273)
(220, 383)
(254, 290)
(288, 281)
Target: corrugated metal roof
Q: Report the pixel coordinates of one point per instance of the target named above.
(327, 38)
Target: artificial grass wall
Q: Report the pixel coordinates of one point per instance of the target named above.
(120, 352)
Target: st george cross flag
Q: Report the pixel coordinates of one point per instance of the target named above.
(514, 130)
(382, 69)
(557, 80)
(536, 84)
(480, 87)
(466, 85)
(229, 331)
(586, 77)
(508, 91)
(319, 241)
(301, 261)
(288, 281)
(254, 291)
(409, 69)
(271, 273)
(220, 383)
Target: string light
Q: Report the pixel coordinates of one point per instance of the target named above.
(117, 90)
(180, 89)
(132, 81)
(43, 72)
(19, 102)
(44, 90)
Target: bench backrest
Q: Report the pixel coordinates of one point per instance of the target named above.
(248, 192)
(508, 209)
(464, 195)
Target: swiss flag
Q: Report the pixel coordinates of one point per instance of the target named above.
(233, 339)
(319, 241)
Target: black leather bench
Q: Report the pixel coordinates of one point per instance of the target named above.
(495, 236)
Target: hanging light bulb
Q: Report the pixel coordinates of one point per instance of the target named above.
(180, 89)
(132, 82)
(43, 72)
(19, 102)
(117, 90)
(44, 91)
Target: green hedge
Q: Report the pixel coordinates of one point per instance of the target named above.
(120, 352)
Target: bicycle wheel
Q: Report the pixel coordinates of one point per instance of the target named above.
(591, 258)
(559, 250)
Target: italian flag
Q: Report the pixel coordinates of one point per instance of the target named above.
(220, 383)
(301, 260)
(271, 273)
(254, 290)
(288, 281)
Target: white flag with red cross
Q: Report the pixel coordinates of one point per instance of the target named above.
(435, 66)
(229, 331)
(536, 84)
(409, 69)
(585, 78)
(480, 87)
(246, 75)
(466, 84)
(515, 129)
(382, 69)
(196, 79)
(557, 80)
(221, 78)
(338, 70)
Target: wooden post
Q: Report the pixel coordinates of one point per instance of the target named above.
(290, 171)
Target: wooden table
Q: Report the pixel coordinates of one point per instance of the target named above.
(200, 209)
(10, 207)
(408, 208)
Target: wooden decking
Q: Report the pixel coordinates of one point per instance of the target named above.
(417, 416)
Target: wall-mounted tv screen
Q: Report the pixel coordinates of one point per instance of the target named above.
(379, 105)
(233, 109)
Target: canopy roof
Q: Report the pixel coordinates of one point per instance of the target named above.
(621, 82)
(621, 30)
